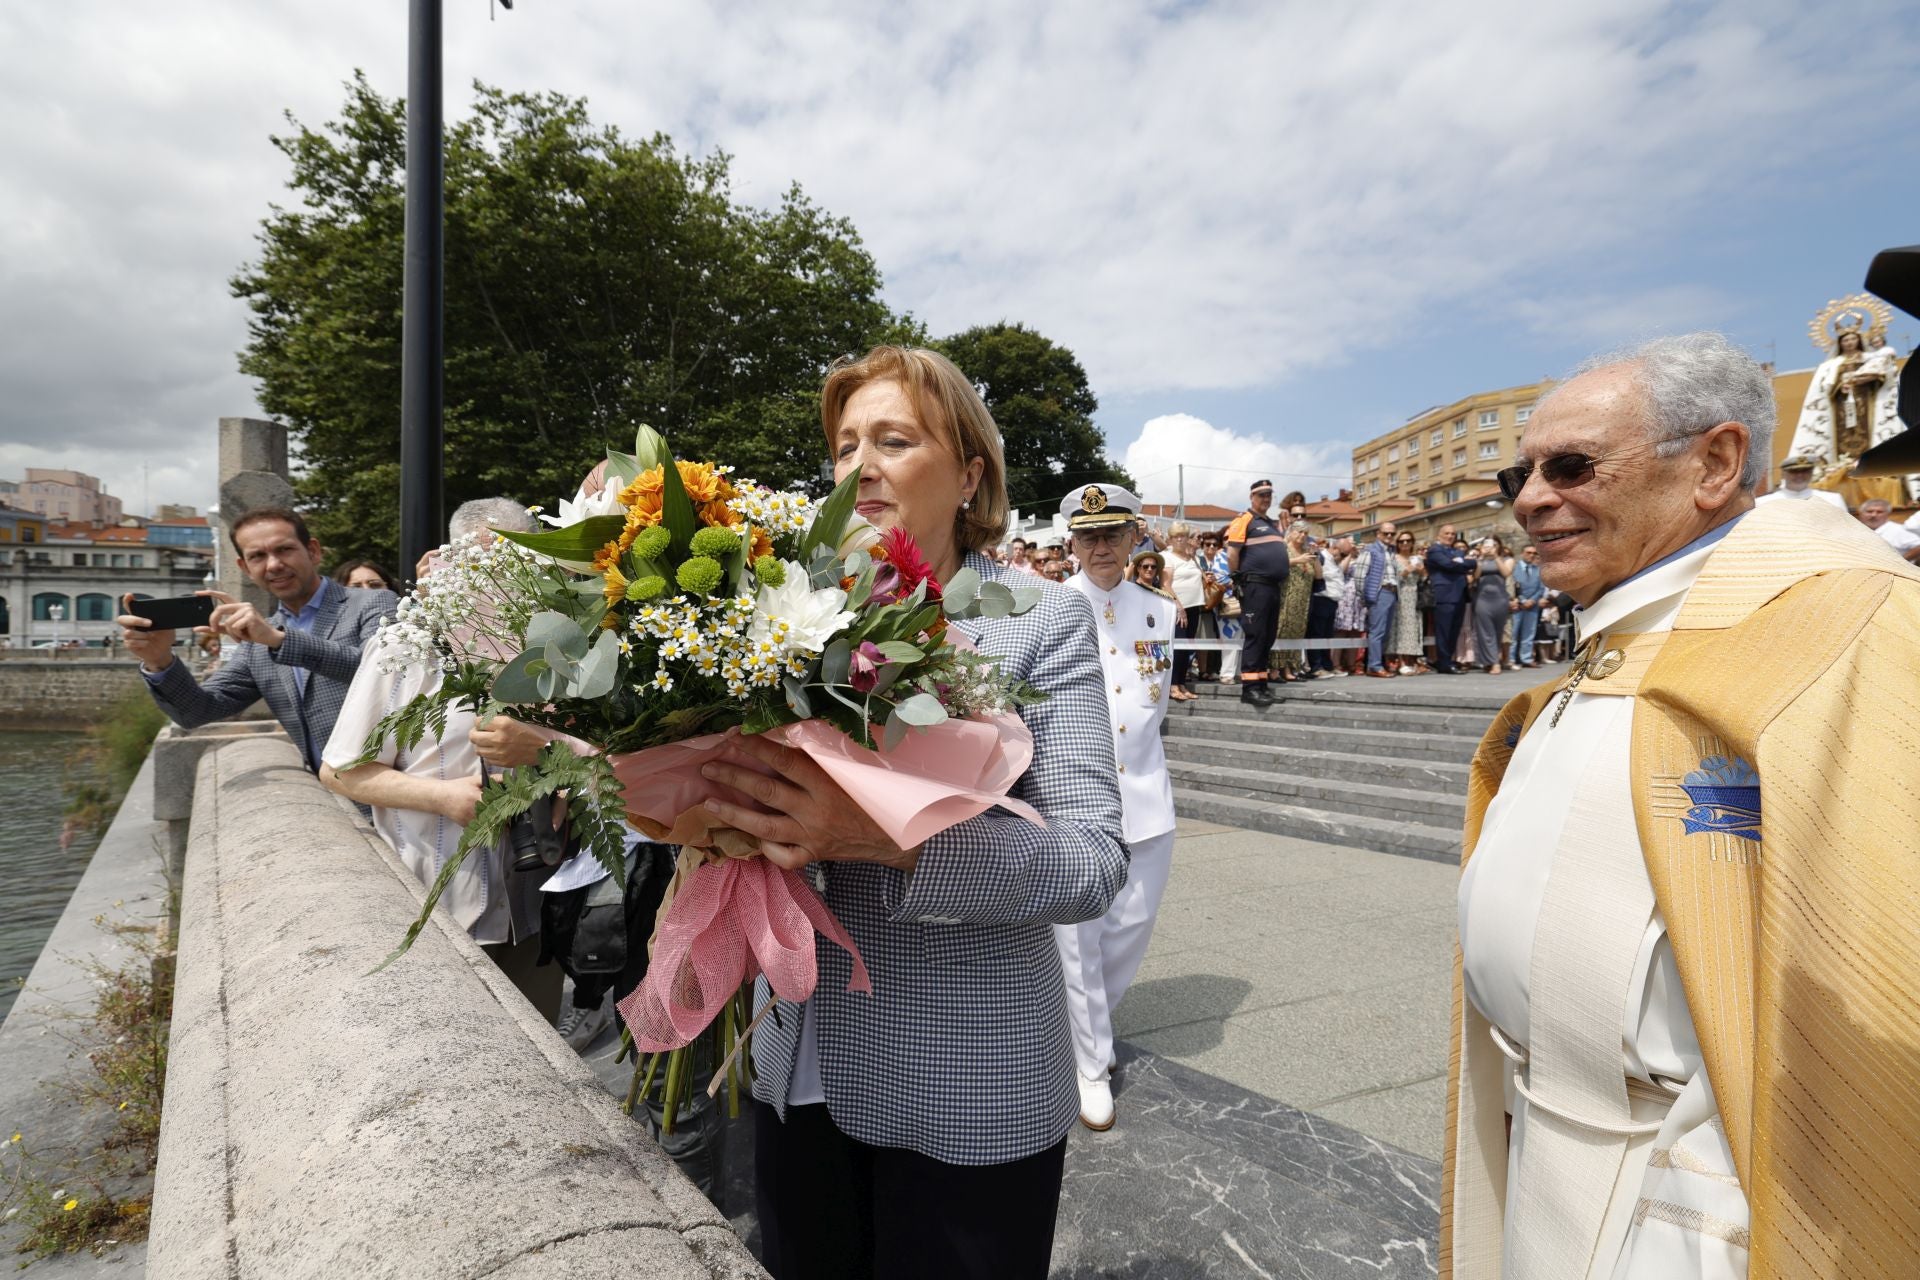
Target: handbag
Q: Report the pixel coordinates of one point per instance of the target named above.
(1216, 591)
(1229, 607)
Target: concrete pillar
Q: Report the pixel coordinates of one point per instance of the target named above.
(253, 473)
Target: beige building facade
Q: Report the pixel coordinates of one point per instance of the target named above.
(67, 495)
(1438, 467)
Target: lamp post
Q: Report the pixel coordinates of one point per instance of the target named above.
(422, 346)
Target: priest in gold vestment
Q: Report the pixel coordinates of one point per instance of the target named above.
(1687, 1010)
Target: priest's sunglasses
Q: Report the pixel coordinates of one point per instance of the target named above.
(1571, 470)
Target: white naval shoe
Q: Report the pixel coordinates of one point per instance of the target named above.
(1096, 1104)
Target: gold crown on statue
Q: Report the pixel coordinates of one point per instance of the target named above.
(1859, 313)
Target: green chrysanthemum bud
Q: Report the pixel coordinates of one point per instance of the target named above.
(646, 588)
(651, 543)
(699, 575)
(715, 542)
(770, 572)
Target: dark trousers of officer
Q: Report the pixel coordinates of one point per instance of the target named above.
(1320, 613)
(1259, 622)
(1447, 616)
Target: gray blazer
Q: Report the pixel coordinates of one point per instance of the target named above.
(962, 1053)
(330, 653)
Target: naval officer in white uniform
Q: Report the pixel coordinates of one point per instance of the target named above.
(1136, 646)
(1796, 484)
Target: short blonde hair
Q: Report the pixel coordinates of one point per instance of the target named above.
(1178, 527)
(950, 409)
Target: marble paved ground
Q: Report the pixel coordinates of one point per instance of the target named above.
(1312, 974)
(1281, 1086)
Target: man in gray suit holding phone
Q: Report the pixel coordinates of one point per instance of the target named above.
(300, 658)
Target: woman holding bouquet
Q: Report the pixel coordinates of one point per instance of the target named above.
(921, 1130)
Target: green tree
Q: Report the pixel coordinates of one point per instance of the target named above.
(1038, 394)
(592, 283)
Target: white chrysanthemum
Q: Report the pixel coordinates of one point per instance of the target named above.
(794, 618)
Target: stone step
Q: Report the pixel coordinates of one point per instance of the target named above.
(1333, 795)
(1457, 693)
(1410, 839)
(1272, 729)
(1459, 723)
(1442, 777)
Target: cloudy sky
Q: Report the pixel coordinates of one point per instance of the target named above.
(1269, 230)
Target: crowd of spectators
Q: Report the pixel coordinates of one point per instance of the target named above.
(1485, 600)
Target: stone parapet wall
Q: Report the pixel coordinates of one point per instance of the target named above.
(424, 1121)
(59, 693)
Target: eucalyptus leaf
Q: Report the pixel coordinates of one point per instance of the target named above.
(921, 709)
(515, 682)
(1027, 595)
(558, 630)
(797, 700)
(960, 590)
(895, 731)
(560, 662)
(598, 669)
(900, 651)
(996, 600)
(834, 663)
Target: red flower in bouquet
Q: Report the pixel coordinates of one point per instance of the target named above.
(902, 568)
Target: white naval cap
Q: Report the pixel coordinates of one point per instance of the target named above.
(1099, 506)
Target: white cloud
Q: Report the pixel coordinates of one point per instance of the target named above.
(1220, 465)
(1203, 196)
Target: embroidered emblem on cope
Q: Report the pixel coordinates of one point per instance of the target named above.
(1725, 796)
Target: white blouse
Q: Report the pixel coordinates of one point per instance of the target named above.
(1188, 582)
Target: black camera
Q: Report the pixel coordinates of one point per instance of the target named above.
(534, 843)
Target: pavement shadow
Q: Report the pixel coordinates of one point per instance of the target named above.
(1186, 1010)
(1139, 1269)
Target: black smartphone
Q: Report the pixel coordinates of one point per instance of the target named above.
(173, 613)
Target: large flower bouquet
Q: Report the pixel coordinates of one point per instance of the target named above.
(680, 604)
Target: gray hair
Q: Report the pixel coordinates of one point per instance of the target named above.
(482, 514)
(1692, 382)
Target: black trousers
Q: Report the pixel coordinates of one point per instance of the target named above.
(1320, 612)
(1447, 616)
(1186, 628)
(833, 1208)
(1259, 623)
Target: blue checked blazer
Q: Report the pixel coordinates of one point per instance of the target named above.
(330, 652)
(962, 1052)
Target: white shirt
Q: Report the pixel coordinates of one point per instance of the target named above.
(1808, 494)
(1899, 537)
(1189, 582)
(477, 894)
(1333, 584)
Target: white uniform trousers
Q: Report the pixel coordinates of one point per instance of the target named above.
(1100, 957)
